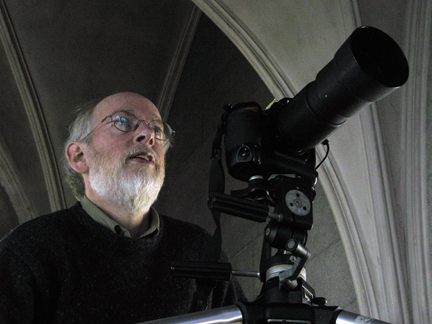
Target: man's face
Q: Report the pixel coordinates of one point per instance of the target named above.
(127, 169)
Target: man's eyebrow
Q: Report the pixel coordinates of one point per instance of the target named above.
(128, 111)
(133, 113)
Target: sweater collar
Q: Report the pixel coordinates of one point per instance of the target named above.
(100, 217)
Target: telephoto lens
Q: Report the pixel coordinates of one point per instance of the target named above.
(367, 67)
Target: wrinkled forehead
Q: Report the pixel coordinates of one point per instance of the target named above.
(140, 106)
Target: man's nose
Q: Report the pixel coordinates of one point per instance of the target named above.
(144, 134)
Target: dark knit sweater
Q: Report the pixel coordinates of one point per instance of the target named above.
(66, 268)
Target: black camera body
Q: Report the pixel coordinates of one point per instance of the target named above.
(253, 148)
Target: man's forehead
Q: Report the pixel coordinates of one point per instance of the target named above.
(139, 106)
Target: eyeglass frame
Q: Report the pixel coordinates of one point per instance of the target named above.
(138, 122)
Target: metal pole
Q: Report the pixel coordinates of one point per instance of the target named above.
(223, 315)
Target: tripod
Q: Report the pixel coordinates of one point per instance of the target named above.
(285, 297)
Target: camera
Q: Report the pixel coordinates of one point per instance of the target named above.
(366, 68)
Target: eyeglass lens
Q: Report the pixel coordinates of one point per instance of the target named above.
(126, 122)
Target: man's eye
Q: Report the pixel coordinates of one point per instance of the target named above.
(157, 130)
(122, 123)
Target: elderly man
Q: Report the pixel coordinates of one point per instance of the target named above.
(106, 259)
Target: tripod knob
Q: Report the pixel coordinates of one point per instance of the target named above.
(319, 301)
(294, 246)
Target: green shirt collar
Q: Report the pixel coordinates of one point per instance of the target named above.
(99, 216)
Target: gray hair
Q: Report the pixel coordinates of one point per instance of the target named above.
(79, 127)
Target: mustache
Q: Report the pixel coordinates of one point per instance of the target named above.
(141, 149)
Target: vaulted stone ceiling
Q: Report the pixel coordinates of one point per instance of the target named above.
(376, 177)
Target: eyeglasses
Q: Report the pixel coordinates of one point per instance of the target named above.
(127, 122)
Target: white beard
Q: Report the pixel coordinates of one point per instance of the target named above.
(135, 190)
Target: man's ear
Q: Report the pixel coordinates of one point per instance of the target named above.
(76, 157)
